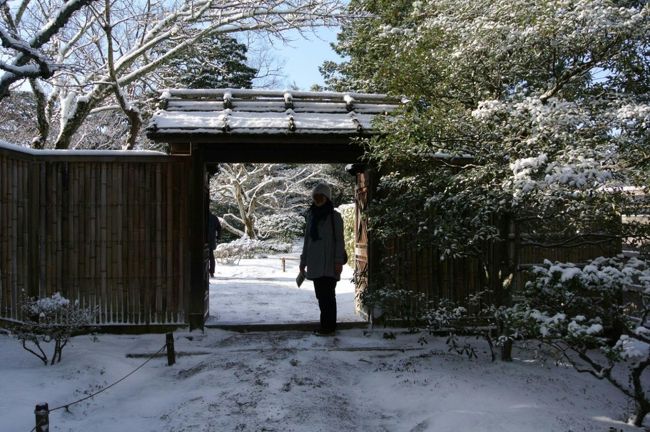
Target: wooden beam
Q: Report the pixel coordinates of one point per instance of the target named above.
(197, 240)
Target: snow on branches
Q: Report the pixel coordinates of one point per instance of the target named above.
(595, 316)
(95, 54)
(51, 319)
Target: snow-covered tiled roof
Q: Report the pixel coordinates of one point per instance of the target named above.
(254, 112)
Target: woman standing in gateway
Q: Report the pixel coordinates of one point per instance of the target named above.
(323, 255)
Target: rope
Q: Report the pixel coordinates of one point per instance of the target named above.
(68, 405)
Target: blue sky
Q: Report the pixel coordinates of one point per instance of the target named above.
(303, 57)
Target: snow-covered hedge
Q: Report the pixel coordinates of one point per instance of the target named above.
(282, 226)
(232, 252)
(595, 316)
(579, 303)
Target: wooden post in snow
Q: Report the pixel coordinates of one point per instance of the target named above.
(171, 354)
(42, 413)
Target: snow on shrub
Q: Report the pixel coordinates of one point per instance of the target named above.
(51, 319)
(595, 316)
(283, 226)
(245, 247)
(347, 213)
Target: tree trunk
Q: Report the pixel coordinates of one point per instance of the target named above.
(81, 112)
(639, 415)
(250, 227)
(41, 116)
(640, 400)
(506, 351)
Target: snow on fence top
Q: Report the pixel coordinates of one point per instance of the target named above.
(71, 153)
(231, 111)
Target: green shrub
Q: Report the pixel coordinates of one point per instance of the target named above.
(347, 212)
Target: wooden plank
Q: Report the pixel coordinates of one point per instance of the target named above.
(197, 240)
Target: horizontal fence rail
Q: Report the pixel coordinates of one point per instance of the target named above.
(110, 231)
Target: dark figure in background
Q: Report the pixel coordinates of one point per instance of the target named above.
(214, 234)
(322, 255)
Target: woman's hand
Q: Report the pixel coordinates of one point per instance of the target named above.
(338, 268)
(302, 269)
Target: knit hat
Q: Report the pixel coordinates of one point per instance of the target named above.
(323, 189)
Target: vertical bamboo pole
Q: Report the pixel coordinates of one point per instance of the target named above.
(13, 233)
(93, 297)
(57, 212)
(183, 230)
(42, 228)
(128, 242)
(73, 231)
(4, 204)
(159, 245)
(103, 243)
(170, 250)
(146, 249)
(118, 273)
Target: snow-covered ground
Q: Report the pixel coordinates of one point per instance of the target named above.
(259, 291)
(295, 381)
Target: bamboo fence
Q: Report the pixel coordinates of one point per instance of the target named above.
(107, 231)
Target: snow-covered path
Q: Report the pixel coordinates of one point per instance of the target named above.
(259, 291)
(293, 382)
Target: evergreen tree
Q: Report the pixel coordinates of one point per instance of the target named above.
(218, 62)
(544, 102)
(535, 112)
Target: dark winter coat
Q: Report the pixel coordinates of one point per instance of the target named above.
(214, 231)
(320, 256)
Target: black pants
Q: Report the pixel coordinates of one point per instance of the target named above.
(212, 263)
(326, 296)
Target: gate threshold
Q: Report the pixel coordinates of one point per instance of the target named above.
(300, 326)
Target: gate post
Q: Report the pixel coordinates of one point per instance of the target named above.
(199, 282)
(364, 256)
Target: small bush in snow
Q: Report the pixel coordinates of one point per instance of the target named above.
(234, 251)
(596, 317)
(391, 303)
(51, 319)
(283, 226)
(435, 317)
